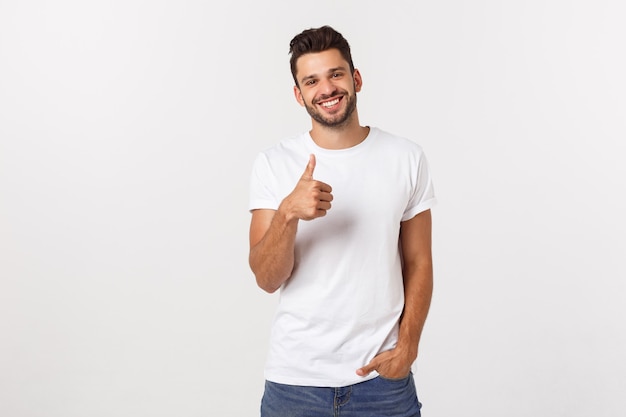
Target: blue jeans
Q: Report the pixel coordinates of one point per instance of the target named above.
(378, 397)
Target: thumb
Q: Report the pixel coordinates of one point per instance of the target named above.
(308, 172)
(367, 369)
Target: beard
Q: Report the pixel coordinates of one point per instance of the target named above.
(336, 120)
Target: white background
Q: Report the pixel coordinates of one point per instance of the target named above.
(127, 132)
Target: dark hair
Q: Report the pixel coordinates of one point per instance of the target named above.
(318, 40)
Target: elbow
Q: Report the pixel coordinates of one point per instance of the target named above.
(270, 289)
(266, 280)
(268, 277)
(267, 284)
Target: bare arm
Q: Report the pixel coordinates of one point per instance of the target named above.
(273, 232)
(415, 239)
(272, 239)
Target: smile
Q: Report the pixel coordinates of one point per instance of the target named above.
(330, 103)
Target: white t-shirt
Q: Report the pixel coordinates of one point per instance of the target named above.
(342, 303)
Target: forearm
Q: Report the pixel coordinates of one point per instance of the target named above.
(418, 289)
(272, 258)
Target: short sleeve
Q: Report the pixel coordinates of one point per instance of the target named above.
(423, 192)
(261, 194)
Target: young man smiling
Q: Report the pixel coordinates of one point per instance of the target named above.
(347, 242)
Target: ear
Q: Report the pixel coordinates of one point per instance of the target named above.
(298, 94)
(358, 81)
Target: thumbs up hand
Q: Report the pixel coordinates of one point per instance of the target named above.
(310, 199)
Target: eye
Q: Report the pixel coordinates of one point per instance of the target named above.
(337, 74)
(310, 82)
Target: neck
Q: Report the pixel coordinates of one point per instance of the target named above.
(339, 137)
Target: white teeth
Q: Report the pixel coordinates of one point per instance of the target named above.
(330, 103)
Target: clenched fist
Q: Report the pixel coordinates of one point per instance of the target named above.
(310, 199)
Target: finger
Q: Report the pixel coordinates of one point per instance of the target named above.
(310, 167)
(325, 196)
(324, 187)
(323, 205)
(367, 369)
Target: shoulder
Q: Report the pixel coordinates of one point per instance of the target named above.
(285, 148)
(283, 158)
(395, 143)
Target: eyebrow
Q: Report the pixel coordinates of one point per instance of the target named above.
(330, 71)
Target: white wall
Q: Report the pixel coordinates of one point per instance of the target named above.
(127, 131)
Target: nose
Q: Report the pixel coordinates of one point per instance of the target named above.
(326, 87)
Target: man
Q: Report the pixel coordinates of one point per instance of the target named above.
(341, 225)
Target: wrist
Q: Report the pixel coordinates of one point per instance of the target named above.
(407, 348)
(285, 213)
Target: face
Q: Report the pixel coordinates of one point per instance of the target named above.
(326, 88)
